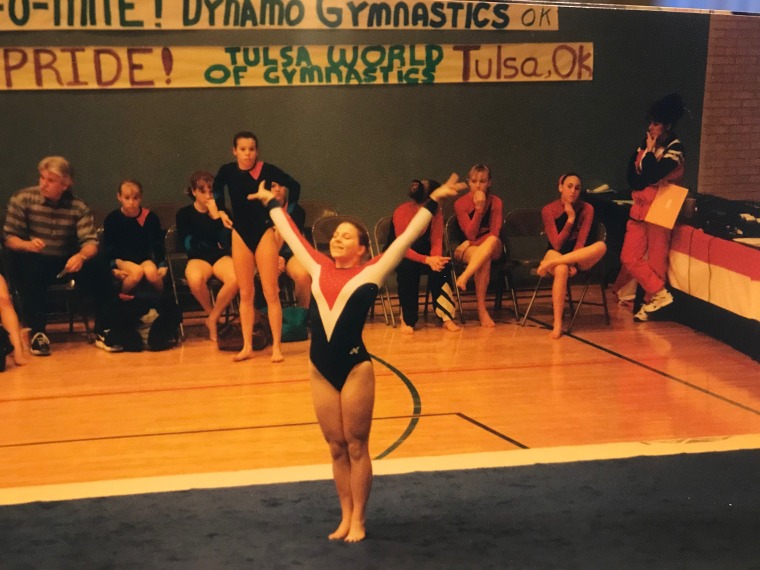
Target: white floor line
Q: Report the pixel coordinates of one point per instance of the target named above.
(119, 487)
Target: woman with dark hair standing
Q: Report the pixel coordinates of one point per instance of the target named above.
(657, 162)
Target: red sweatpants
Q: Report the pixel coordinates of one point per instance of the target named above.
(645, 254)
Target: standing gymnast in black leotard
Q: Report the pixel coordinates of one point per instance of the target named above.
(342, 378)
(253, 241)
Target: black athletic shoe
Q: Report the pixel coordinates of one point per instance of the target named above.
(103, 341)
(40, 345)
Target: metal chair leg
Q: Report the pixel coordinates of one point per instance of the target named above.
(453, 277)
(532, 299)
(603, 290)
(578, 305)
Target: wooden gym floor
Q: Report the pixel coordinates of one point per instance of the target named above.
(83, 422)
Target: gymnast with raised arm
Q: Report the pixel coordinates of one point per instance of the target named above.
(342, 378)
(567, 224)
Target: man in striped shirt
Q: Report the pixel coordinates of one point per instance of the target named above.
(50, 233)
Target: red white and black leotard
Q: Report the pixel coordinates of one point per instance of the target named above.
(341, 298)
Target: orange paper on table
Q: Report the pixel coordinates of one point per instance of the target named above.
(666, 206)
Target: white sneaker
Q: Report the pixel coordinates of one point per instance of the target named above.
(641, 316)
(661, 299)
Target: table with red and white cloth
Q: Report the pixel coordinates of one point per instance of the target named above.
(717, 285)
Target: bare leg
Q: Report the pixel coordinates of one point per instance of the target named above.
(327, 407)
(11, 324)
(475, 257)
(584, 258)
(267, 258)
(345, 419)
(224, 271)
(559, 286)
(357, 402)
(134, 274)
(197, 273)
(245, 266)
(302, 281)
(482, 277)
(152, 275)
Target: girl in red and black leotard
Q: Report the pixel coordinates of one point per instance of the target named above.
(342, 378)
(479, 214)
(567, 224)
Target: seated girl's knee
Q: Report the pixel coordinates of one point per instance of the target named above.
(151, 275)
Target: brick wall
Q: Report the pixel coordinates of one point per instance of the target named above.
(730, 153)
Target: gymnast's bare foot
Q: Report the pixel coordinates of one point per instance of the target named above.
(544, 267)
(556, 332)
(462, 283)
(341, 532)
(211, 324)
(406, 329)
(485, 319)
(451, 326)
(277, 355)
(245, 354)
(356, 533)
(20, 357)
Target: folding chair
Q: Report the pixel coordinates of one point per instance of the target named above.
(452, 238)
(525, 242)
(597, 272)
(380, 235)
(314, 210)
(321, 233)
(61, 294)
(176, 259)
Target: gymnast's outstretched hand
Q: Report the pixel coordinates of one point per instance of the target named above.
(263, 195)
(448, 189)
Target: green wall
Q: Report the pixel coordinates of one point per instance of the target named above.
(360, 146)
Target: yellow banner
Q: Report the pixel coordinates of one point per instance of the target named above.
(131, 15)
(49, 68)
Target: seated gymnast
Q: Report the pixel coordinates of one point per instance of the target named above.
(479, 214)
(567, 224)
(341, 375)
(208, 245)
(425, 254)
(134, 241)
